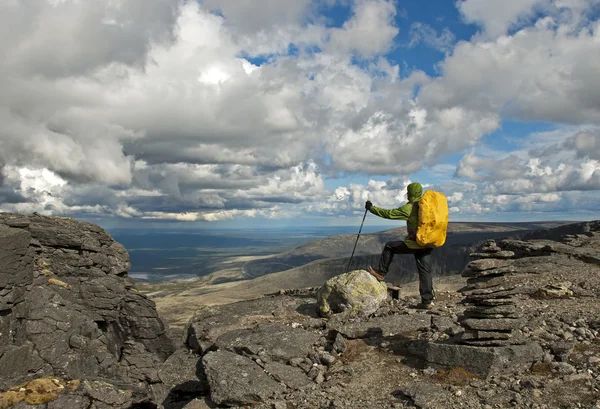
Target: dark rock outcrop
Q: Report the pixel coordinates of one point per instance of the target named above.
(69, 310)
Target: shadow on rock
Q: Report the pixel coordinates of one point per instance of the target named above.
(185, 392)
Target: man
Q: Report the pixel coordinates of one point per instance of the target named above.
(410, 213)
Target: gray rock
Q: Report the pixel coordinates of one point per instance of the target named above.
(491, 290)
(210, 322)
(16, 261)
(563, 368)
(339, 345)
(181, 373)
(483, 361)
(69, 309)
(506, 309)
(502, 324)
(471, 273)
(492, 281)
(237, 380)
(382, 326)
(502, 294)
(292, 377)
(275, 342)
(492, 302)
(497, 255)
(489, 264)
(479, 335)
(354, 293)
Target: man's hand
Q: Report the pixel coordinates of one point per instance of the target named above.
(368, 205)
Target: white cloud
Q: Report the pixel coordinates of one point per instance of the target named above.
(496, 17)
(538, 170)
(370, 31)
(161, 114)
(421, 32)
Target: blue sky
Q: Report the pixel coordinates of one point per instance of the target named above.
(230, 113)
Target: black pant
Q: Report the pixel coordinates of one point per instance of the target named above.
(423, 259)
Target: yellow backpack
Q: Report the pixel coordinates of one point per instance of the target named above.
(433, 219)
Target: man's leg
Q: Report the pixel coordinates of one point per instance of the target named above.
(423, 259)
(387, 256)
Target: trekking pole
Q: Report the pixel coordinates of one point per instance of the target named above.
(357, 237)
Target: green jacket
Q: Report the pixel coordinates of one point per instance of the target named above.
(408, 212)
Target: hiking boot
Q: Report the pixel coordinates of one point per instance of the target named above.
(424, 305)
(378, 276)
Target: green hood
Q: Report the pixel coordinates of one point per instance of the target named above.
(415, 191)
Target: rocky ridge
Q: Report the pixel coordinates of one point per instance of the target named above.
(68, 309)
(277, 352)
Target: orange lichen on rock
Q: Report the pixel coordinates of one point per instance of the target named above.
(455, 376)
(36, 392)
(58, 282)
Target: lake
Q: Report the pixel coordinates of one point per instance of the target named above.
(178, 254)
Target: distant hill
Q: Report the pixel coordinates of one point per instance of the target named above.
(311, 264)
(332, 251)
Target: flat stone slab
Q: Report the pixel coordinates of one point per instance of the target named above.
(471, 273)
(500, 324)
(236, 380)
(484, 362)
(471, 335)
(498, 254)
(489, 290)
(293, 377)
(277, 342)
(382, 326)
(210, 322)
(489, 264)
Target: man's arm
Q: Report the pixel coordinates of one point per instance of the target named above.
(401, 213)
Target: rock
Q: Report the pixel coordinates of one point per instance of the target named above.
(500, 294)
(339, 345)
(276, 342)
(236, 380)
(563, 368)
(560, 290)
(489, 264)
(381, 326)
(474, 274)
(54, 393)
(294, 378)
(490, 290)
(210, 322)
(181, 374)
(498, 255)
(492, 302)
(506, 309)
(486, 361)
(471, 335)
(67, 307)
(355, 293)
(502, 324)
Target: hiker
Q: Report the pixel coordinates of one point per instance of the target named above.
(410, 213)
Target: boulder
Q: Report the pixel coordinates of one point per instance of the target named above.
(236, 380)
(484, 361)
(68, 308)
(270, 342)
(210, 322)
(354, 293)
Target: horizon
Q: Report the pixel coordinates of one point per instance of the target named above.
(222, 114)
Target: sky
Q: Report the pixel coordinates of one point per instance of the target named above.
(254, 113)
